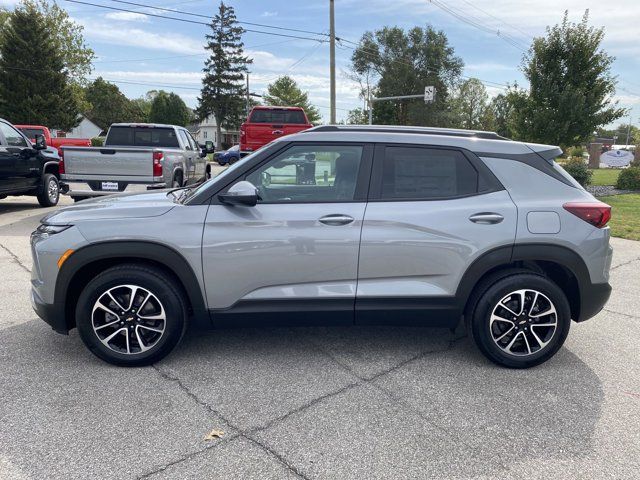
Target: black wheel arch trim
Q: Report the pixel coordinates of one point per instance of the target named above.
(593, 296)
(164, 255)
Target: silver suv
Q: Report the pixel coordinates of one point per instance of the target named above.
(337, 225)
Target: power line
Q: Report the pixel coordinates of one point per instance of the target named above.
(177, 19)
(181, 12)
(476, 23)
(499, 19)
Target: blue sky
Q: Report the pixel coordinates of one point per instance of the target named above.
(137, 48)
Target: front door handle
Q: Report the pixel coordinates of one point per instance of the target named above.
(336, 219)
(486, 218)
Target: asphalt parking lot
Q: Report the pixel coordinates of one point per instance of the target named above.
(334, 403)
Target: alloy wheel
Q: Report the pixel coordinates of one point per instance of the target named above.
(128, 319)
(53, 190)
(523, 322)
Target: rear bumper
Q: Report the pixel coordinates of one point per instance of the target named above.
(594, 297)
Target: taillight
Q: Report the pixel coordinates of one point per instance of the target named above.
(157, 163)
(597, 214)
(61, 162)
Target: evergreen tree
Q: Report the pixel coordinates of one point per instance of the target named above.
(34, 83)
(286, 93)
(223, 91)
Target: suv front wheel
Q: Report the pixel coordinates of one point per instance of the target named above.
(521, 320)
(131, 315)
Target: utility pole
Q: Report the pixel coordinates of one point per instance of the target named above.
(628, 130)
(332, 63)
(248, 106)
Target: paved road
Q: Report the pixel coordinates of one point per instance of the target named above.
(333, 403)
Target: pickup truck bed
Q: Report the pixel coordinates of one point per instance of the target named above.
(158, 156)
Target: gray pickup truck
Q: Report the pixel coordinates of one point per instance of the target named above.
(155, 155)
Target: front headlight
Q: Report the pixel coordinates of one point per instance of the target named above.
(45, 230)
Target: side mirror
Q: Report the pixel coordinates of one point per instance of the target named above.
(242, 193)
(40, 143)
(209, 146)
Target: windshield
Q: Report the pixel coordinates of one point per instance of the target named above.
(32, 132)
(142, 136)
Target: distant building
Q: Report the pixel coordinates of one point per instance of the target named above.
(85, 129)
(206, 130)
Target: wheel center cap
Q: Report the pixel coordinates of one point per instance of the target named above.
(130, 319)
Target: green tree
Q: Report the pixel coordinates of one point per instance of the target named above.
(502, 110)
(285, 92)
(470, 105)
(34, 82)
(403, 63)
(223, 91)
(169, 108)
(357, 116)
(570, 85)
(109, 105)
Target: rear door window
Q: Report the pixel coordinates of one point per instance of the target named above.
(142, 137)
(278, 116)
(416, 173)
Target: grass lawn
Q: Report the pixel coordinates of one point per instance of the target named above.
(625, 215)
(605, 176)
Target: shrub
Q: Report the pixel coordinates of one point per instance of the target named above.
(629, 179)
(97, 142)
(578, 170)
(577, 152)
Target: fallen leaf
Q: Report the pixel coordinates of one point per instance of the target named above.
(213, 434)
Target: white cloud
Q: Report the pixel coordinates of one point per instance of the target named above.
(118, 34)
(127, 16)
(269, 14)
(188, 79)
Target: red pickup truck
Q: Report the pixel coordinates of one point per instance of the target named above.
(32, 130)
(265, 124)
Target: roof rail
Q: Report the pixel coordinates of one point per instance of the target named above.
(402, 129)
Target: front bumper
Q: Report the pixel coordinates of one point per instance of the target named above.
(49, 313)
(594, 297)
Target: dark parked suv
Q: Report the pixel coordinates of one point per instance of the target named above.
(338, 225)
(24, 170)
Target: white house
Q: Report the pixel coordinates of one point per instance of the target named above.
(206, 130)
(85, 129)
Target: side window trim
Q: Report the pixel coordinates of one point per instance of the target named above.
(375, 190)
(362, 184)
(184, 137)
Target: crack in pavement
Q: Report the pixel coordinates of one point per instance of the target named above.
(241, 433)
(623, 264)
(15, 258)
(608, 310)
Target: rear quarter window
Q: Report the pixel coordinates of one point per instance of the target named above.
(427, 173)
(278, 116)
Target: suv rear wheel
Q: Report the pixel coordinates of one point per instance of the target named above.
(521, 320)
(131, 315)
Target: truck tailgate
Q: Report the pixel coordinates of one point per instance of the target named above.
(108, 163)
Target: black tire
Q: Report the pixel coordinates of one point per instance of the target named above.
(167, 294)
(177, 181)
(49, 194)
(488, 297)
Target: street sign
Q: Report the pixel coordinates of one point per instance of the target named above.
(429, 94)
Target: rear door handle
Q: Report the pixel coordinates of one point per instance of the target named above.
(336, 219)
(486, 218)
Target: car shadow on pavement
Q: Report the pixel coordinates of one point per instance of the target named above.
(319, 397)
